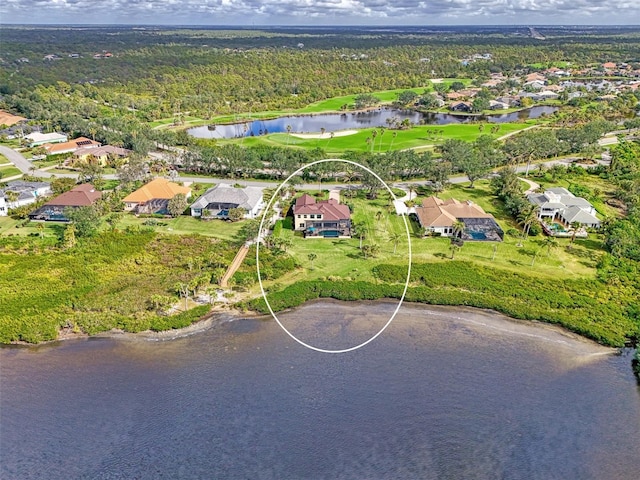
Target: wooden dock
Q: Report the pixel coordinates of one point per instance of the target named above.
(237, 261)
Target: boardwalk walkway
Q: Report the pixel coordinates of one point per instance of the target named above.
(237, 261)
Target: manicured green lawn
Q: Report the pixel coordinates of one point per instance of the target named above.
(343, 257)
(168, 122)
(385, 96)
(417, 137)
(9, 171)
(9, 226)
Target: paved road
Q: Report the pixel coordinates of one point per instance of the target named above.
(17, 159)
(25, 166)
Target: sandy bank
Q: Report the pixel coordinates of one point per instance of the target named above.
(326, 135)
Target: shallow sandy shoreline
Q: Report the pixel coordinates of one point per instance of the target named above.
(479, 319)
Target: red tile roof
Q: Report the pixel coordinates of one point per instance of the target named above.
(80, 196)
(329, 209)
(70, 146)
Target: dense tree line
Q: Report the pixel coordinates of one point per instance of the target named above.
(205, 72)
(622, 236)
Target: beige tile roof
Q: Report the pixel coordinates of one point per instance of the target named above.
(160, 188)
(436, 212)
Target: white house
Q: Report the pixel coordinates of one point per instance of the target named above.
(216, 202)
(37, 138)
(19, 193)
(560, 204)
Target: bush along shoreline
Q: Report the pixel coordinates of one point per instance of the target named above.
(583, 306)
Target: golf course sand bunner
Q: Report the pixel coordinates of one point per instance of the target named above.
(342, 133)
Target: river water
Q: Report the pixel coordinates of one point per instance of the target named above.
(443, 393)
(332, 122)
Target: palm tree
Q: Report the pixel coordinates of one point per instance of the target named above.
(359, 230)
(374, 134)
(454, 248)
(331, 135)
(382, 130)
(574, 231)
(393, 137)
(40, 228)
(550, 243)
(527, 218)
(395, 238)
(412, 189)
(312, 256)
(533, 257)
(458, 229)
(495, 250)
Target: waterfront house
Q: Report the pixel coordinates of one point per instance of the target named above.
(560, 205)
(20, 193)
(461, 107)
(437, 216)
(497, 105)
(217, 201)
(80, 196)
(324, 218)
(154, 197)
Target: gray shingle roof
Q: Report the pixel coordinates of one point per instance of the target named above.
(24, 189)
(575, 214)
(247, 197)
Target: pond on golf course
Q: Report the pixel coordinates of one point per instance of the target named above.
(332, 122)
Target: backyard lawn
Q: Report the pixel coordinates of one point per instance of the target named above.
(343, 257)
(9, 171)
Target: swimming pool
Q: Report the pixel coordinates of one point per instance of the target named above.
(477, 235)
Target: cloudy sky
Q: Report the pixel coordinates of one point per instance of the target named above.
(322, 12)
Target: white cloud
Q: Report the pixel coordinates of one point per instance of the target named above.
(221, 12)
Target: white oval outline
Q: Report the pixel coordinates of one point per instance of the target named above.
(264, 295)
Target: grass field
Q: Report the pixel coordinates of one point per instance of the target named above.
(386, 96)
(9, 171)
(184, 225)
(9, 226)
(417, 137)
(343, 257)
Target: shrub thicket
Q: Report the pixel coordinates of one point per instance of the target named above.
(586, 306)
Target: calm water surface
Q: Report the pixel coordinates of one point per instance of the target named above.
(332, 122)
(441, 394)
